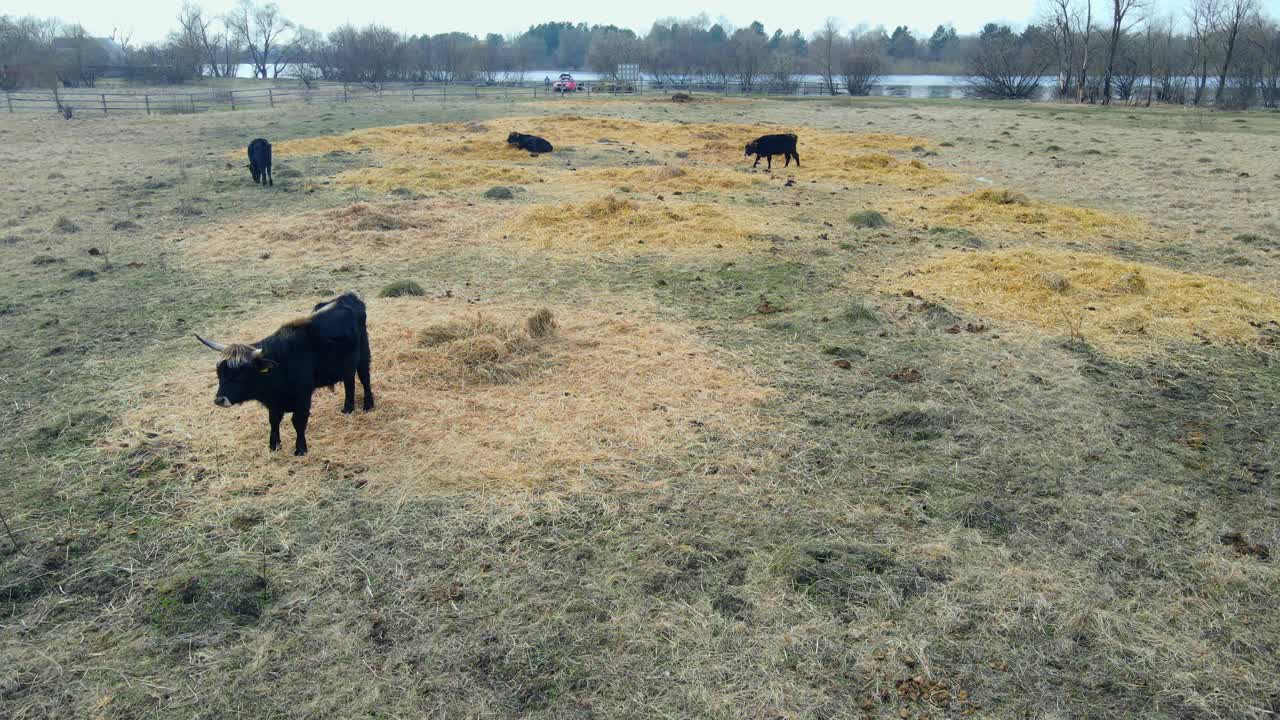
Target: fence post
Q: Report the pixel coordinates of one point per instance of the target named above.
(9, 99)
(413, 95)
(444, 93)
(193, 102)
(344, 93)
(147, 99)
(477, 89)
(104, 103)
(271, 99)
(232, 94)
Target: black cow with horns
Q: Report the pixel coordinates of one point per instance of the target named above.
(282, 370)
(260, 161)
(769, 145)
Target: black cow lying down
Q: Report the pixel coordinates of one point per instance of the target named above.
(532, 143)
(770, 145)
(260, 161)
(282, 370)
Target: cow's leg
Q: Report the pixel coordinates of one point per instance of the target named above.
(786, 155)
(300, 415)
(270, 180)
(348, 392)
(796, 155)
(757, 162)
(769, 167)
(363, 370)
(275, 417)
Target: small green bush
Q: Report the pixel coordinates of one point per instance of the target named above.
(400, 288)
(868, 219)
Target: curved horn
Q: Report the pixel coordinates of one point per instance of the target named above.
(257, 352)
(217, 347)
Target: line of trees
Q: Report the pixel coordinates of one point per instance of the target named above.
(1221, 52)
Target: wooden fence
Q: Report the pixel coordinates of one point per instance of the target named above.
(160, 103)
(151, 103)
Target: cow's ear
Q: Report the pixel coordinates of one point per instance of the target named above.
(265, 365)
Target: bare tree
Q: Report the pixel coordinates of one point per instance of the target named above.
(261, 29)
(1006, 65)
(1266, 39)
(826, 45)
(193, 36)
(1063, 18)
(861, 67)
(1233, 18)
(750, 53)
(1121, 10)
(1204, 17)
(1086, 31)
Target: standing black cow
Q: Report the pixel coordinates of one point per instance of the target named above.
(770, 145)
(532, 143)
(260, 161)
(281, 371)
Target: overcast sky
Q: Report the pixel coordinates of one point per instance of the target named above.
(151, 19)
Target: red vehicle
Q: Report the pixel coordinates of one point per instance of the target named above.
(566, 83)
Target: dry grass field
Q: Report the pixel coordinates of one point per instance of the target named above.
(974, 414)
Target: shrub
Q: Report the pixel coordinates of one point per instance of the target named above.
(499, 193)
(541, 324)
(64, 225)
(400, 288)
(868, 219)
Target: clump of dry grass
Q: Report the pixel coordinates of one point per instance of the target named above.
(1009, 214)
(435, 176)
(1056, 282)
(484, 349)
(390, 230)
(494, 400)
(992, 197)
(617, 223)
(1123, 308)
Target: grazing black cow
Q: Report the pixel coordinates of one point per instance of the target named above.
(260, 161)
(282, 370)
(770, 145)
(532, 143)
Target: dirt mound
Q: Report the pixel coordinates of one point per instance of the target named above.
(878, 168)
(1009, 214)
(663, 178)
(617, 223)
(1123, 308)
(351, 233)
(496, 400)
(425, 177)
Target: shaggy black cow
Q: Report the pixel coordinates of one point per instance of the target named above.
(282, 370)
(769, 145)
(260, 161)
(532, 143)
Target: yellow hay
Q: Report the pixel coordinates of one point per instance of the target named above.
(426, 177)
(615, 223)
(872, 168)
(1006, 213)
(593, 397)
(664, 177)
(350, 234)
(714, 142)
(1123, 308)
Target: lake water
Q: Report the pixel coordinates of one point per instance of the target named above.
(916, 86)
